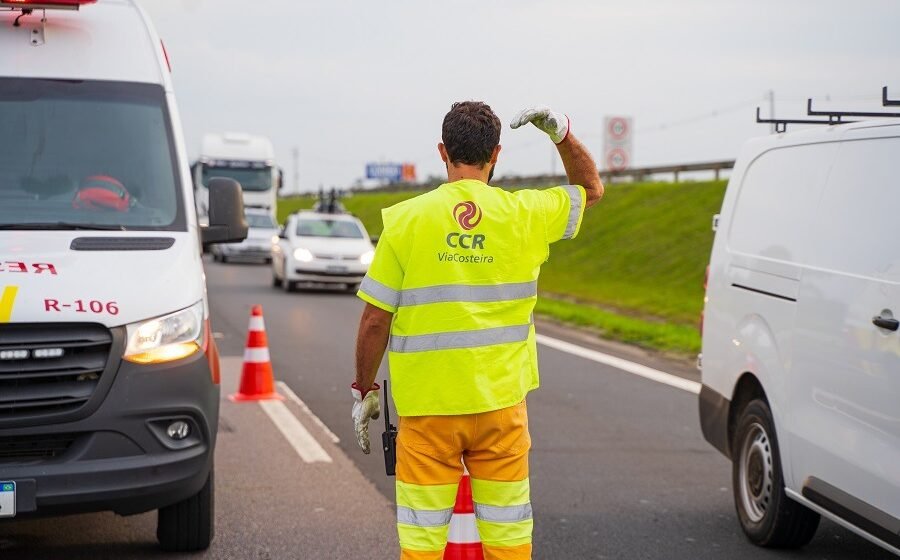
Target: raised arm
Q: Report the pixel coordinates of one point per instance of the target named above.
(579, 165)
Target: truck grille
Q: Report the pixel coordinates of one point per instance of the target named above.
(50, 368)
(29, 448)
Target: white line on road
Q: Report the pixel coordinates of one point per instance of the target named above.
(296, 434)
(293, 396)
(619, 363)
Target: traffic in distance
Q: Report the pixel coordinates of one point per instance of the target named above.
(111, 374)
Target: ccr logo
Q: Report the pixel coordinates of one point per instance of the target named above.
(467, 214)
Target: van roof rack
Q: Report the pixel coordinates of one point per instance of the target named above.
(834, 117)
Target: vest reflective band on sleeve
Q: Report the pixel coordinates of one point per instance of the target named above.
(466, 293)
(424, 518)
(574, 210)
(379, 291)
(460, 339)
(498, 514)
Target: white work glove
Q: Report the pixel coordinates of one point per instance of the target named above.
(365, 407)
(556, 125)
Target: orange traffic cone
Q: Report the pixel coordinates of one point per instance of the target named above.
(463, 542)
(257, 380)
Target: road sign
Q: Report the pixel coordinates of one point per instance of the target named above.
(617, 142)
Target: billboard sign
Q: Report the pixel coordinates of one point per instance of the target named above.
(391, 172)
(617, 143)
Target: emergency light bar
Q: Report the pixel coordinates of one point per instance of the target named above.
(44, 4)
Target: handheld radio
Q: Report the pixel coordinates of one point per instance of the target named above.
(389, 437)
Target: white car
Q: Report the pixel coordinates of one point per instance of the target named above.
(801, 353)
(321, 248)
(261, 235)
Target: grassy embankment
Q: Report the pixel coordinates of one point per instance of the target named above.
(635, 272)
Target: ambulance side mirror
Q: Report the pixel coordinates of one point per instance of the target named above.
(226, 213)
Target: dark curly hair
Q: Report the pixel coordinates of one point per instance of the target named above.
(470, 133)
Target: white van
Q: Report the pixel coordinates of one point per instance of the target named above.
(801, 354)
(109, 376)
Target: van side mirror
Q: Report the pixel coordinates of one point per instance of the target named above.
(226, 213)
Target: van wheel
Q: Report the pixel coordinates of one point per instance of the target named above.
(767, 515)
(188, 525)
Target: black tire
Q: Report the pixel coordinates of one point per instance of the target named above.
(189, 525)
(223, 259)
(352, 288)
(767, 515)
(276, 281)
(215, 257)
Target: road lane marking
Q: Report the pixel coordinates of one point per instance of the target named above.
(619, 363)
(297, 435)
(299, 402)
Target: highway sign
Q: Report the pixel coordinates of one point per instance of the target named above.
(617, 142)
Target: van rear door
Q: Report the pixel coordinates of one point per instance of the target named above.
(845, 389)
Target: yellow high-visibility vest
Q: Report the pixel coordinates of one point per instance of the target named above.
(458, 268)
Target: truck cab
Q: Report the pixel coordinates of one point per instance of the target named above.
(247, 159)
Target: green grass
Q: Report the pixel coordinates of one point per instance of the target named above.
(669, 337)
(635, 272)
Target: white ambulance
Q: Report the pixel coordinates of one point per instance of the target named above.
(108, 372)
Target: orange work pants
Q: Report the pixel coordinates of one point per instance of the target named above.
(430, 454)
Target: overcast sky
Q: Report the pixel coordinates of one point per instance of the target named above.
(349, 82)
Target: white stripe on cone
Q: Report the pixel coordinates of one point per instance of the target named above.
(463, 529)
(256, 324)
(256, 355)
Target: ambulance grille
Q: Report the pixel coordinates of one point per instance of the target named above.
(29, 448)
(50, 368)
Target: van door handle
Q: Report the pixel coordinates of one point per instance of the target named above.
(890, 324)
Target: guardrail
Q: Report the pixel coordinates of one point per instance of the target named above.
(635, 174)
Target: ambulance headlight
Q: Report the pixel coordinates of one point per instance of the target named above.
(366, 258)
(167, 338)
(303, 255)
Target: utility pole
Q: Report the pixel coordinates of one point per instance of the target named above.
(771, 96)
(295, 153)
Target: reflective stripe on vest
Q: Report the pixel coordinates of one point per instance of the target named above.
(507, 514)
(379, 291)
(574, 210)
(424, 518)
(460, 339)
(448, 293)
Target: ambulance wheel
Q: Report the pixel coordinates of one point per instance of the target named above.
(189, 525)
(767, 515)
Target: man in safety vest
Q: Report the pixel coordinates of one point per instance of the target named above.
(450, 294)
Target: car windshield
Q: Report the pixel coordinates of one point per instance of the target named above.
(87, 155)
(255, 177)
(310, 227)
(262, 221)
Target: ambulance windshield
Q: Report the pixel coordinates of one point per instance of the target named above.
(87, 155)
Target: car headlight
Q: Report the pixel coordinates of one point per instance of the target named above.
(366, 258)
(275, 239)
(303, 255)
(167, 338)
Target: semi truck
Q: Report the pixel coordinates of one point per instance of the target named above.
(248, 159)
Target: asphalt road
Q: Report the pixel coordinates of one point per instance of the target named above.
(619, 468)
